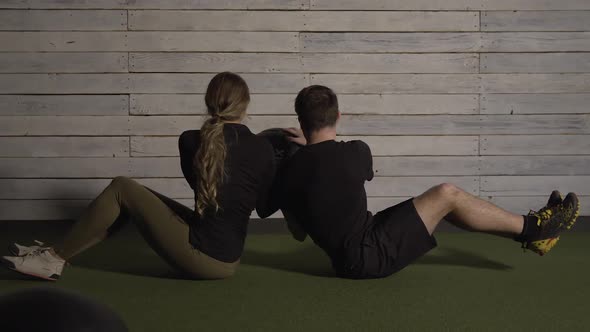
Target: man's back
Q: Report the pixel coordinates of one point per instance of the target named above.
(324, 188)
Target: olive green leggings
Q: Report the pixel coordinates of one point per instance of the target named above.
(165, 231)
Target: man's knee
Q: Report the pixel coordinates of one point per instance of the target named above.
(447, 190)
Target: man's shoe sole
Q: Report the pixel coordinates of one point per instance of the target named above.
(571, 223)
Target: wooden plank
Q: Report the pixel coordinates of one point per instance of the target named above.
(408, 104)
(419, 145)
(51, 188)
(534, 103)
(533, 185)
(389, 42)
(352, 125)
(535, 20)
(193, 104)
(302, 21)
(295, 4)
(156, 4)
(149, 41)
(295, 63)
(449, 5)
(174, 125)
(160, 167)
(410, 125)
(62, 20)
(216, 4)
(425, 166)
(390, 21)
(164, 125)
(159, 104)
(145, 146)
(83, 188)
(535, 83)
(216, 20)
(64, 105)
(215, 62)
(223, 41)
(90, 167)
(14, 168)
(64, 146)
(63, 62)
(534, 124)
(535, 63)
(535, 165)
(41, 209)
(191, 83)
(64, 83)
(399, 83)
(535, 145)
(464, 124)
(535, 4)
(413, 186)
(63, 41)
(522, 204)
(64, 125)
(139, 83)
(535, 42)
(142, 146)
(390, 63)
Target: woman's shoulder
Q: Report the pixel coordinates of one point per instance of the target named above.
(189, 140)
(188, 134)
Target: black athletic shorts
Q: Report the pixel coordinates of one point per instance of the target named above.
(396, 237)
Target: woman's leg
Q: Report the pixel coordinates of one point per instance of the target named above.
(163, 229)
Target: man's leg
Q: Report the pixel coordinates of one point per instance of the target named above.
(465, 211)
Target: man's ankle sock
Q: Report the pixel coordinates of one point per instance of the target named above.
(529, 229)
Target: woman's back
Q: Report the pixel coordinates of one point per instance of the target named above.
(249, 171)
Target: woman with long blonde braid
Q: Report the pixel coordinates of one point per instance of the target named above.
(230, 170)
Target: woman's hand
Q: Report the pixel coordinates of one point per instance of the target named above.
(295, 135)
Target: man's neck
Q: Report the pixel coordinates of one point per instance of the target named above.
(322, 135)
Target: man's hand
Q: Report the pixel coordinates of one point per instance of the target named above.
(295, 135)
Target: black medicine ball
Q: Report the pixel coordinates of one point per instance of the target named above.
(283, 148)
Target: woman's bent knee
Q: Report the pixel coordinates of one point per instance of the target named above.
(122, 181)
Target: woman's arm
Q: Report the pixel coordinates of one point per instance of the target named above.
(270, 190)
(188, 144)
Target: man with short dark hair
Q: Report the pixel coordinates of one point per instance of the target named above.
(322, 194)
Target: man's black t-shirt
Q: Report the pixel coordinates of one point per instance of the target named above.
(250, 169)
(322, 187)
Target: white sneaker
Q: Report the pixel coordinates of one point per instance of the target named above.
(18, 250)
(38, 263)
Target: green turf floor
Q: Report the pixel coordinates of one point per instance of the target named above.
(471, 282)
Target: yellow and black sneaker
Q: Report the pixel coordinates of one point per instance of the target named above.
(554, 199)
(551, 221)
(573, 209)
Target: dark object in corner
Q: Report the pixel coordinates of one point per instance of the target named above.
(51, 309)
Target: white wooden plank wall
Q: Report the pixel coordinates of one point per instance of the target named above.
(492, 95)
